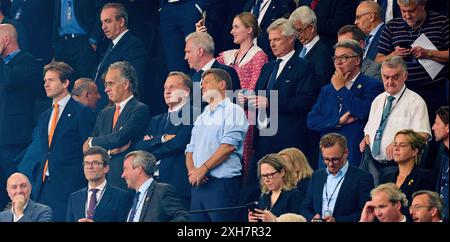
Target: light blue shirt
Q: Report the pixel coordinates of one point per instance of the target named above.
(143, 193)
(226, 123)
(69, 26)
(11, 56)
(331, 188)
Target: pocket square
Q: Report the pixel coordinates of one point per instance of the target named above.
(287, 81)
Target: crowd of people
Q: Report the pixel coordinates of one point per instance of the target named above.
(222, 111)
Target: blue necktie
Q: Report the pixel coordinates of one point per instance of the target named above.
(379, 133)
(303, 52)
(197, 77)
(134, 207)
(367, 43)
(108, 51)
(256, 8)
(273, 75)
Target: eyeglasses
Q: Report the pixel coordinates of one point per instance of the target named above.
(300, 31)
(411, 208)
(357, 17)
(268, 175)
(333, 160)
(92, 163)
(343, 58)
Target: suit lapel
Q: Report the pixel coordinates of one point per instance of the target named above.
(124, 114)
(110, 55)
(323, 179)
(285, 72)
(147, 200)
(343, 191)
(104, 202)
(358, 85)
(269, 13)
(63, 120)
(266, 75)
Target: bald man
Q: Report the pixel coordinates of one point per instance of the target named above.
(20, 78)
(85, 92)
(368, 19)
(23, 209)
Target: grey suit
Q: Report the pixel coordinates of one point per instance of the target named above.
(34, 212)
(371, 68)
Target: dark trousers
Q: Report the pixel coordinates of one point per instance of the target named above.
(57, 201)
(374, 167)
(216, 193)
(8, 166)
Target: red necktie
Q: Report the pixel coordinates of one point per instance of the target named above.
(314, 4)
(50, 135)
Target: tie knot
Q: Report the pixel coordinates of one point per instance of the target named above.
(55, 106)
(390, 98)
(94, 190)
(279, 61)
(117, 107)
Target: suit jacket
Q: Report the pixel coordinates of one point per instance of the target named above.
(325, 115)
(371, 68)
(87, 13)
(130, 126)
(162, 205)
(129, 49)
(277, 9)
(288, 202)
(34, 212)
(236, 83)
(320, 56)
(113, 206)
(373, 48)
(332, 15)
(172, 169)
(64, 155)
(352, 196)
(18, 80)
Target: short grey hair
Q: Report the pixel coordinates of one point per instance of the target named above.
(407, 2)
(394, 62)
(202, 40)
(127, 72)
(143, 159)
(393, 191)
(305, 15)
(284, 26)
(434, 199)
(352, 45)
(186, 79)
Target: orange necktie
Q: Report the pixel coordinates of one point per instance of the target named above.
(116, 115)
(50, 135)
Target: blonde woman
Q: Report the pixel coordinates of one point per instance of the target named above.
(302, 171)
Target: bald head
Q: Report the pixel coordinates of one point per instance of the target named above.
(368, 16)
(17, 176)
(8, 30)
(18, 185)
(8, 39)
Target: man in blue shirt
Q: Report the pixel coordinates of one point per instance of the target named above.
(213, 156)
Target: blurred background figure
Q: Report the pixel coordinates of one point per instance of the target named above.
(301, 170)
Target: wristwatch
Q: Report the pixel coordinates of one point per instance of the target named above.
(430, 54)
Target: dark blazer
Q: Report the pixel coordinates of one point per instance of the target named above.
(277, 9)
(87, 13)
(162, 205)
(373, 48)
(352, 196)
(302, 185)
(297, 92)
(320, 57)
(34, 212)
(371, 68)
(113, 206)
(332, 15)
(325, 115)
(236, 83)
(18, 82)
(130, 49)
(288, 202)
(64, 155)
(131, 125)
(172, 169)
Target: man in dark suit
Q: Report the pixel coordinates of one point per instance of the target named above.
(168, 134)
(267, 11)
(23, 209)
(313, 48)
(76, 34)
(119, 127)
(61, 132)
(331, 16)
(153, 201)
(19, 75)
(200, 56)
(368, 19)
(339, 192)
(343, 106)
(124, 47)
(99, 202)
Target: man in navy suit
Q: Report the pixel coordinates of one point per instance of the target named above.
(368, 19)
(343, 105)
(120, 126)
(61, 131)
(19, 75)
(267, 11)
(168, 134)
(23, 209)
(99, 202)
(199, 53)
(124, 47)
(339, 192)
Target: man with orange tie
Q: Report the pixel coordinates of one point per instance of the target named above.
(60, 133)
(120, 126)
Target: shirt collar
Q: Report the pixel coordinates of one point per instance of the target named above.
(177, 107)
(397, 96)
(311, 43)
(222, 103)
(117, 39)
(99, 187)
(63, 102)
(287, 56)
(375, 30)
(341, 172)
(143, 188)
(124, 102)
(208, 65)
(11, 56)
(349, 84)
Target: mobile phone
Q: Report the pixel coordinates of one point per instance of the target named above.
(204, 18)
(405, 45)
(252, 206)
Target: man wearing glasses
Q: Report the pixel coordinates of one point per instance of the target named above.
(343, 105)
(100, 201)
(368, 19)
(426, 206)
(338, 192)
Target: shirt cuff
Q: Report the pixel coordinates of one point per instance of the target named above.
(262, 121)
